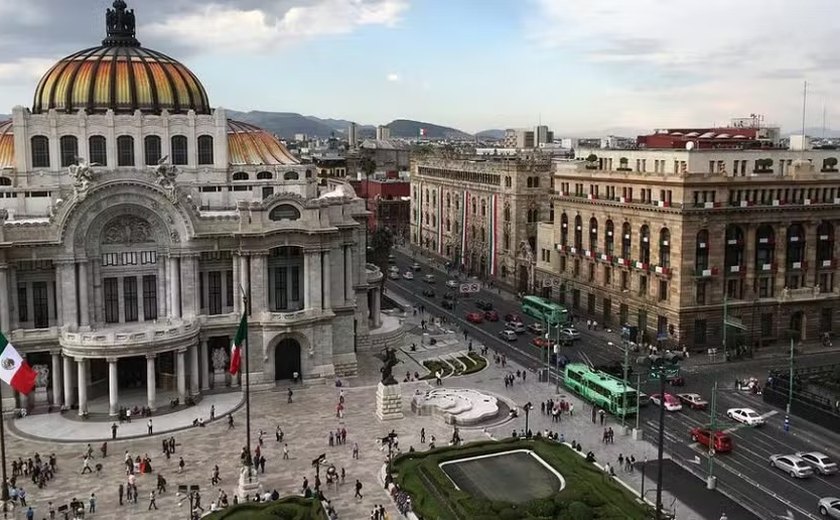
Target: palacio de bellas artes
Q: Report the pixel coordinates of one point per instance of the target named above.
(134, 218)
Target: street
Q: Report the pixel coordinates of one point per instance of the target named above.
(744, 474)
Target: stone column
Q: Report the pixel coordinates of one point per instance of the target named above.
(56, 378)
(69, 393)
(68, 292)
(174, 288)
(84, 304)
(259, 300)
(188, 287)
(780, 258)
(348, 274)
(377, 319)
(307, 285)
(194, 370)
(4, 299)
(749, 261)
(113, 392)
(312, 261)
(162, 300)
(204, 363)
(59, 299)
(244, 273)
(81, 368)
(98, 297)
(237, 283)
(180, 369)
(151, 377)
(326, 267)
(810, 267)
(14, 298)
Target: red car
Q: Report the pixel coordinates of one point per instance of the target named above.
(722, 440)
(541, 342)
(475, 317)
(491, 315)
(512, 316)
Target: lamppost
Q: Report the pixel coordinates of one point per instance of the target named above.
(190, 492)
(316, 463)
(527, 409)
(660, 370)
(389, 440)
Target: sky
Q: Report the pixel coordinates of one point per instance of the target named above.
(579, 66)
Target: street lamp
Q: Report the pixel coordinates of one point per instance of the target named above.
(527, 409)
(389, 440)
(316, 463)
(659, 370)
(190, 493)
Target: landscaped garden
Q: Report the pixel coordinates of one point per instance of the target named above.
(588, 493)
(455, 365)
(288, 508)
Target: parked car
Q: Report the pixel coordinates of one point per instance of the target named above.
(392, 259)
(393, 269)
(566, 339)
(516, 326)
(693, 401)
(448, 304)
(722, 442)
(541, 342)
(408, 275)
(491, 315)
(746, 416)
(394, 275)
(416, 266)
(429, 278)
(429, 292)
(792, 465)
(508, 335)
(484, 305)
(829, 507)
(671, 403)
(512, 316)
(451, 284)
(475, 317)
(819, 461)
(571, 332)
(536, 328)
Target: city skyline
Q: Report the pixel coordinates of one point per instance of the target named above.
(571, 65)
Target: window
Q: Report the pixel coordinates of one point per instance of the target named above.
(179, 150)
(665, 248)
(241, 176)
(578, 232)
(765, 286)
(112, 302)
(205, 149)
(130, 298)
(643, 285)
(625, 280)
(701, 251)
(40, 151)
(663, 290)
(767, 325)
(214, 290)
(609, 245)
(826, 282)
(593, 234)
(607, 275)
(229, 288)
(40, 305)
(69, 146)
(262, 176)
(267, 192)
(825, 320)
(591, 272)
(700, 293)
(125, 150)
(150, 308)
(626, 241)
(284, 212)
(291, 176)
(23, 304)
(699, 332)
(151, 150)
(97, 150)
(644, 247)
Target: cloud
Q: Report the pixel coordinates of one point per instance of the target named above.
(393, 77)
(24, 70)
(229, 27)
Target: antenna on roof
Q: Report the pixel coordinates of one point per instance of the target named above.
(804, 104)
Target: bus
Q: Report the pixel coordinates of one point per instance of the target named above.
(600, 389)
(546, 311)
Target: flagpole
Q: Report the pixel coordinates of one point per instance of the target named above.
(5, 493)
(250, 460)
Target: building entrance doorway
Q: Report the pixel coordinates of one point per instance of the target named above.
(286, 359)
(131, 372)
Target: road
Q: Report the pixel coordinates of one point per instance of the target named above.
(744, 474)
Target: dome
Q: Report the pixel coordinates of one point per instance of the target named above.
(250, 145)
(7, 145)
(120, 75)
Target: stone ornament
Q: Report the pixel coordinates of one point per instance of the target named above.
(166, 174)
(220, 360)
(127, 229)
(42, 375)
(82, 174)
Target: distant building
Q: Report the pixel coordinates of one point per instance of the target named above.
(329, 165)
(383, 133)
(388, 154)
(388, 203)
(352, 135)
(526, 139)
(301, 138)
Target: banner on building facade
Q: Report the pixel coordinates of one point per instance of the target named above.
(464, 204)
(494, 201)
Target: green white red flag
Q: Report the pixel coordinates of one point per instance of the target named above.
(14, 370)
(236, 346)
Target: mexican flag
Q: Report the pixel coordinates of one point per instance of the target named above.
(236, 346)
(14, 370)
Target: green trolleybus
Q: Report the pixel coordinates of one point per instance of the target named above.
(600, 389)
(545, 311)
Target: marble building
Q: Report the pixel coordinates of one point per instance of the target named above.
(134, 217)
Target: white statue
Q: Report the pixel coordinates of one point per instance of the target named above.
(341, 190)
(82, 174)
(166, 174)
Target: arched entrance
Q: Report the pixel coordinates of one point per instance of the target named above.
(286, 359)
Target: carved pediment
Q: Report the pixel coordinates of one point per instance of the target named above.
(127, 229)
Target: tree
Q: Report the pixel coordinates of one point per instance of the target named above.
(830, 164)
(592, 158)
(379, 248)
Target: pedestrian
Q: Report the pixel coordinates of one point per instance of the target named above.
(620, 460)
(120, 491)
(22, 497)
(181, 465)
(523, 376)
(285, 452)
(149, 426)
(86, 465)
(114, 430)
(632, 463)
(422, 435)
(343, 473)
(262, 463)
(212, 411)
(172, 444)
(355, 450)
(602, 415)
(51, 509)
(152, 503)
(278, 434)
(230, 422)
(92, 503)
(358, 489)
(30, 514)
(331, 439)
(291, 394)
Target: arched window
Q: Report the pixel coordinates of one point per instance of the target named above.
(795, 246)
(284, 212)
(734, 252)
(507, 213)
(765, 247)
(473, 205)
(529, 182)
(665, 247)
(426, 199)
(593, 234)
(564, 229)
(578, 232)
(825, 246)
(626, 241)
(69, 146)
(483, 234)
(701, 251)
(536, 182)
(308, 174)
(448, 224)
(179, 150)
(97, 150)
(240, 176)
(609, 238)
(291, 176)
(262, 176)
(434, 199)
(151, 150)
(506, 240)
(205, 149)
(448, 201)
(125, 150)
(483, 208)
(644, 246)
(40, 151)
(5, 181)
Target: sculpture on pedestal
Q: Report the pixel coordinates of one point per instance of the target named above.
(389, 361)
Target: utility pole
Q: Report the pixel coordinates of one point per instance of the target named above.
(725, 295)
(711, 480)
(661, 440)
(624, 390)
(790, 380)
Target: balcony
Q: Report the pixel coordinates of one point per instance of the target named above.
(122, 340)
(374, 275)
(805, 293)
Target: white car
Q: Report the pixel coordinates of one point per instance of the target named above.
(792, 465)
(571, 332)
(829, 507)
(451, 283)
(394, 275)
(408, 275)
(746, 416)
(819, 461)
(508, 335)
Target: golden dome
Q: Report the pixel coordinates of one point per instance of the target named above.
(120, 75)
(250, 145)
(7, 145)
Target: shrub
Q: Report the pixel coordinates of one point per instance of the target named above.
(579, 511)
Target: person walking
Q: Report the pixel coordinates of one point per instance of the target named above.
(149, 426)
(358, 490)
(114, 431)
(356, 450)
(152, 503)
(422, 435)
(86, 465)
(22, 496)
(285, 452)
(212, 411)
(290, 395)
(181, 465)
(230, 422)
(120, 491)
(30, 514)
(92, 503)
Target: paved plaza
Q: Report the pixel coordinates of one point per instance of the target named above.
(306, 423)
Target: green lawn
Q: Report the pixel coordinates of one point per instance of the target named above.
(479, 363)
(433, 365)
(287, 508)
(588, 494)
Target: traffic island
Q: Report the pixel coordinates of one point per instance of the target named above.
(292, 507)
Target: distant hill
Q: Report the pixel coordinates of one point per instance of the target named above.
(284, 124)
(494, 133)
(4, 117)
(409, 128)
(341, 125)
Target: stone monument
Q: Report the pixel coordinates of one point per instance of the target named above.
(388, 394)
(248, 487)
(42, 377)
(220, 366)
